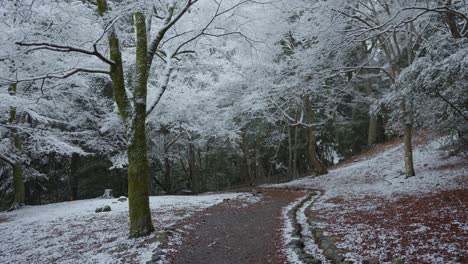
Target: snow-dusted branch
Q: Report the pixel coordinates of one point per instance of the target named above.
(62, 75)
(165, 84)
(170, 21)
(7, 159)
(65, 49)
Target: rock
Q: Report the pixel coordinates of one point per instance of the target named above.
(107, 194)
(324, 244)
(398, 261)
(294, 243)
(122, 199)
(103, 209)
(371, 261)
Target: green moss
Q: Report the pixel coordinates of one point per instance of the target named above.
(102, 7)
(138, 166)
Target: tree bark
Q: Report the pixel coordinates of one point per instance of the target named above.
(168, 186)
(407, 120)
(315, 162)
(191, 169)
(290, 151)
(295, 147)
(18, 180)
(245, 151)
(138, 166)
(139, 181)
(116, 70)
(73, 176)
(372, 129)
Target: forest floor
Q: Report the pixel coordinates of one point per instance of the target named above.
(72, 232)
(372, 213)
(366, 210)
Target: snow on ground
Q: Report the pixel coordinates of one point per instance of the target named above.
(384, 174)
(379, 214)
(287, 232)
(71, 232)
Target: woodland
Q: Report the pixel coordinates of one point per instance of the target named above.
(185, 106)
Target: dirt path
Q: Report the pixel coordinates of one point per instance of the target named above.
(231, 234)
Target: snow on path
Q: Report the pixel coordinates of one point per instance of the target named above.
(71, 232)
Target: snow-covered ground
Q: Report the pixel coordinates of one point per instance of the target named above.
(378, 213)
(384, 174)
(71, 232)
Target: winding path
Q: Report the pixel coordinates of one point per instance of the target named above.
(229, 233)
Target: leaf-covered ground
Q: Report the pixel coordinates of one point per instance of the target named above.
(376, 213)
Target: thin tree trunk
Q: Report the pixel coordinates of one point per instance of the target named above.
(191, 169)
(372, 129)
(73, 177)
(116, 70)
(407, 119)
(167, 175)
(245, 151)
(18, 181)
(296, 146)
(290, 151)
(315, 162)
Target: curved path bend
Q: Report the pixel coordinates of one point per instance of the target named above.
(230, 233)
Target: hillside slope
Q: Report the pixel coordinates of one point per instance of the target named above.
(372, 212)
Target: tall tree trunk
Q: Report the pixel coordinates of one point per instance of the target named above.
(315, 162)
(73, 175)
(245, 151)
(372, 129)
(139, 181)
(202, 170)
(18, 181)
(168, 187)
(116, 70)
(191, 169)
(138, 166)
(407, 120)
(296, 146)
(290, 151)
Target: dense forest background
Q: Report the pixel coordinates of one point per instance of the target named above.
(239, 92)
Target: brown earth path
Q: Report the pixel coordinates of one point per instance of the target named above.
(232, 234)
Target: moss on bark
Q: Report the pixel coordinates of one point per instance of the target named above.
(138, 166)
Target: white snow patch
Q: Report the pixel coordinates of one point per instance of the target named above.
(383, 174)
(287, 232)
(71, 232)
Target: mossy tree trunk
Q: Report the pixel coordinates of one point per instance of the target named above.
(315, 162)
(407, 122)
(138, 166)
(135, 122)
(18, 180)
